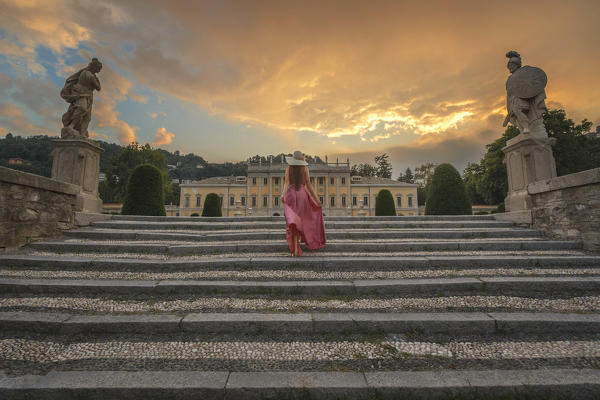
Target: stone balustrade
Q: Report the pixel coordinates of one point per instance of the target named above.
(33, 207)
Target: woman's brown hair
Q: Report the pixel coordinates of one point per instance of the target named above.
(296, 173)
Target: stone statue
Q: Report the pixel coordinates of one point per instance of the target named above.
(525, 96)
(79, 92)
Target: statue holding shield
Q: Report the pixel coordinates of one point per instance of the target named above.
(525, 96)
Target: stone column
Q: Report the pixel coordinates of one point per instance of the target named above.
(77, 161)
(528, 159)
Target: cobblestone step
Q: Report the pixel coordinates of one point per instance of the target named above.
(283, 275)
(398, 287)
(358, 263)
(181, 303)
(508, 384)
(303, 323)
(350, 224)
(363, 247)
(279, 234)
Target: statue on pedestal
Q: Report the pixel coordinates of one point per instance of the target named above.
(79, 92)
(528, 156)
(525, 96)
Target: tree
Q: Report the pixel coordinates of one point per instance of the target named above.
(447, 194)
(573, 151)
(422, 178)
(130, 157)
(384, 203)
(408, 176)
(384, 168)
(363, 170)
(212, 206)
(472, 176)
(145, 193)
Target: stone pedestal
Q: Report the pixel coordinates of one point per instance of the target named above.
(528, 159)
(77, 161)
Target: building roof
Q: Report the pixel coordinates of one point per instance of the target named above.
(374, 180)
(219, 180)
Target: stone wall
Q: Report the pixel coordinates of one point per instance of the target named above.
(33, 207)
(568, 207)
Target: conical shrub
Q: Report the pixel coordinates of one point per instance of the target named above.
(447, 194)
(212, 206)
(384, 203)
(145, 194)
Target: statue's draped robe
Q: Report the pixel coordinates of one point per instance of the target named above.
(79, 114)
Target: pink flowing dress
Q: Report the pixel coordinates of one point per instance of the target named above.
(304, 216)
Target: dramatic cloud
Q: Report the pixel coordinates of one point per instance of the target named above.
(357, 77)
(162, 137)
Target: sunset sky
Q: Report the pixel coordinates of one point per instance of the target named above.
(420, 80)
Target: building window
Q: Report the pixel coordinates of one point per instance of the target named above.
(354, 201)
(343, 180)
(254, 181)
(198, 201)
(243, 200)
(399, 201)
(187, 201)
(177, 214)
(232, 200)
(332, 201)
(410, 201)
(276, 180)
(366, 200)
(253, 201)
(343, 201)
(265, 181)
(321, 199)
(332, 181)
(276, 201)
(320, 180)
(221, 199)
(265, 201)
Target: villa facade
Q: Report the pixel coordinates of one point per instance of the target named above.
(259, 193)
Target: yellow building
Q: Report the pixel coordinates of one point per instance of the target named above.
(259, 193)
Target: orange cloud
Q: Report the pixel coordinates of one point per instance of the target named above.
(162, 137)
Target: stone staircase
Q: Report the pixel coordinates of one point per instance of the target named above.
(455, 307)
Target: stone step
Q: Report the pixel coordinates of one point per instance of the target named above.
(363, 247)
(279, 234)
(294, 274)
(327, 218)
(350, 224)
(577, 384)
(476, 323)
(186, 303)
(342, 263)
(390, 287)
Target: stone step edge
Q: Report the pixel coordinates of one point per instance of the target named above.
(187, 249)
(415, 286)
(325, 262)
(303, 323)
(208, 385)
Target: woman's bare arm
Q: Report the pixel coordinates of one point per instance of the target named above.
(286, 183)
(309, 187)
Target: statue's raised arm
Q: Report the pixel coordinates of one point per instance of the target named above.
(525, 96)
(79, 92)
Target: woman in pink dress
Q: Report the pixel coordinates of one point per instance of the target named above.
(302, 209)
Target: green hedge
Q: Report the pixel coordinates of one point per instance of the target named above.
(212, 206)
(447, 194)
(384, 203)
(145, 194)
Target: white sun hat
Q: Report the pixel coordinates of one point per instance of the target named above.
(296, 159)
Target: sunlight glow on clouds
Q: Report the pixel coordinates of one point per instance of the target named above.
(162, 137)
(337, 76)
